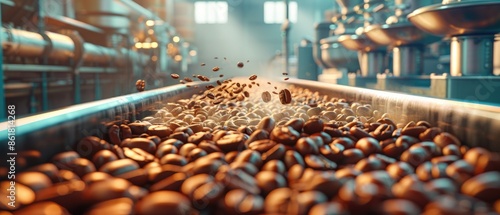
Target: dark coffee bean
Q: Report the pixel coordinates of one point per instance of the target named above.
(173, 159)
(413, 131)
(42, 208)
(232, 142)
(202, 190)
(119, 206)
(460, 171)
(23, 194)
(266, 123)
(118, 167)
(318, 162)
(173, 202)
(87, 147)
(428, 171)
(138, 155)
(71, 198)
(266, 96)
(306, 145)
(241, 202)
(34, 180)
(415, 156)
(95, 177)
(369, 164)
(141, 143)
(250, 156)
(344, 141)
(368, 146)
(399, 170)
(269, 181)
(485, 186)
(285, 96)
(443, 139)
(237, 179)
(292, 157)
(431, 147)
(313, 125)
(352, 156)
(399, 206)
(174, 76)
(285, 135)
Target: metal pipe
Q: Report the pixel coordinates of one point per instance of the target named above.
(23, 43)
(286, 32)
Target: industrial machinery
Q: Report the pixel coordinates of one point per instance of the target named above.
(87, 48)
(417, 35)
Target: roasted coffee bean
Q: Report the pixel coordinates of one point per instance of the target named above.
(399, 170)
(352, 156)
(443, 186)
(267, 123)
(173, 202)
(118, 167)
(415, 156)
(119, 206)
(369, 164)
(413, 131)
(276, 166)
(49, 169)
(429, 134)
(399, 206)
(485, 186)
(138, 155)
(241, 202)
(174, 76)
(43, 208)
(368, 146)
(344, 141)
(202, 189)
(34, 180)
(285, 135)
(23, 195)
(142, 143)
(173, 159)
(306, 145)
(140, 85)
(87, 147)
(266, 96)
(313, 125)
(165, 149)
(428, 171)
(69, 194)
(269, 181)
(285, 96)
(95, 177)
(232, 142)
(443, 139)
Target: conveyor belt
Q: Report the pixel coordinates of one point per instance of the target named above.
(52, 132)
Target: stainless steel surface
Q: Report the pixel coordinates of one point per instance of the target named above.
(407, 60)
(52, 132)
(370, 54)
(358, 43)
(459, 18)
(398, 34)
(336, 56)
(106, 14)
(371, 63)
(471, 55)
(23, 43)
(68, 23)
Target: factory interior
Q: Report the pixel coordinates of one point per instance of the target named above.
(250, 107)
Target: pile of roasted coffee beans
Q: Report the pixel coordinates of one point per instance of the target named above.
(308, 154)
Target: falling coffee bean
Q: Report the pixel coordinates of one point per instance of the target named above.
(188, 79)
(240, 64)
(286, 79)
(221, 75)
(174, 76)
(285, 96)
(253, 77)
(215, 69)
(285, 73)
(140, 85)
(266, 96)
(203, 64)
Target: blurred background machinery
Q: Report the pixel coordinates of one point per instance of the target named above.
(62, 52)
(445, 49)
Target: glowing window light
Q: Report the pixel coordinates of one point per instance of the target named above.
(138, 45)
(178, 58)
(151, 31)
(193, 53)
(154, 45)
(150, 23)
(274, 12)
(146, 45)
(176, 39)
(210, 12)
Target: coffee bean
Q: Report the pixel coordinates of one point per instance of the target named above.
(140, 85)
(240, 64)
(173, 202)
(252, 77)
(285, 96)
(266, 96)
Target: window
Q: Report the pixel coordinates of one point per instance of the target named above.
(210, 12)
(274, 12)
